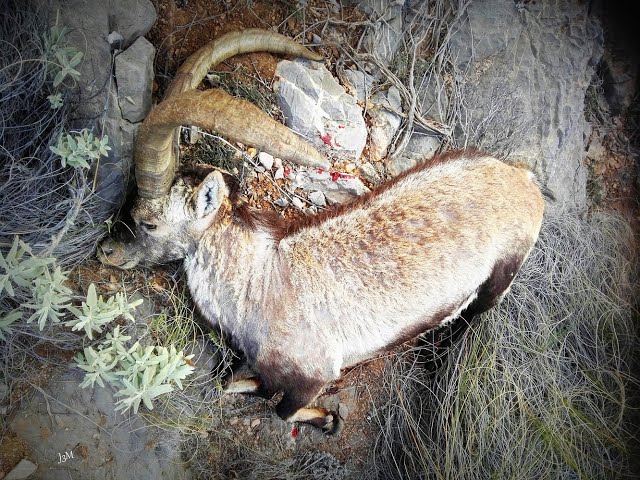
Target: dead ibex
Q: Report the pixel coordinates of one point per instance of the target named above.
(306, 299)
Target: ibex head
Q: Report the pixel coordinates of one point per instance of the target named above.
(169, 213)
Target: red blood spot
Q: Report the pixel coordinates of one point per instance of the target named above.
(320, 170)
(287, 172)
(340, 126)
(326, 138)
(294, 432)
(335, 176)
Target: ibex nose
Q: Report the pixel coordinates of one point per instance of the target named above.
(109, 254)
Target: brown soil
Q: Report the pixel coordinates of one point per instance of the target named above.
(12, 450)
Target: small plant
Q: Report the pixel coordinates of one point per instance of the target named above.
(96, 312)
(6, 321)
(78, 148)
(142, 373)
(62, 57)
(55, 101)
(20, 270)
(50, 296)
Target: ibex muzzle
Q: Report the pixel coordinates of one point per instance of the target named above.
(304, 300)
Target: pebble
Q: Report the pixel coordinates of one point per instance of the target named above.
(252, 152)
(233, 420)
(282, 202)
(318, 198)
(254, 423)
(266, 159)
(277, 162)
(297, 203)
(279, 173)
(350, 167)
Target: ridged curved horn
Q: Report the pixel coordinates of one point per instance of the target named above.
(155, 156)
(193, 70)
(236, 119)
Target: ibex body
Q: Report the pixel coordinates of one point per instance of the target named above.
(304, 300)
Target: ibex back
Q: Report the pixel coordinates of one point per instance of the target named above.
(306, 299)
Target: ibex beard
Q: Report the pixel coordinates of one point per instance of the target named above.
(304, 300)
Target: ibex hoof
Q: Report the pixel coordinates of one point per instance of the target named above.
(333, 424)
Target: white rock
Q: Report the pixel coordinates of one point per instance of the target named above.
(255, 422)
(282, 202)
(358, 83)
(266, 159)
(384, 123)
(316, 106)
(23, 470)
(115, 39)
(297, 203)
(317, 198)
(277, 162)
(279, 173)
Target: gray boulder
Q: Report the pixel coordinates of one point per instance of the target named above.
(527, 67)
(316, 106)
(134, 75)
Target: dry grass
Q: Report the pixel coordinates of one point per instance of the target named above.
(543, 386)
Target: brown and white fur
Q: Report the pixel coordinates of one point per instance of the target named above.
(304, 300)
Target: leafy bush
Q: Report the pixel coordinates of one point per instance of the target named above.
(62, 57)
(141, 372)
(78, 148)
(96, 312)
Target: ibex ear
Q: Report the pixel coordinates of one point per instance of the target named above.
(210, 194)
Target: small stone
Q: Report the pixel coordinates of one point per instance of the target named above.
(279, 174)
(233, 420)
(350, 167)
(282, 202)
(317, 198)
(204, 434)
(254, 423)
(316, 40)
(297, 203)
(115, 39)
(369, 172)
(277, 162)
(246, 422)
(312, 210)
(252, 152)
(266, 159)
(23, 470)
(343, 411)
(58, 421)
(260, 169)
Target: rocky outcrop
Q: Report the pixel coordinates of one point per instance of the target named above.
(528, 66)
(105, 31)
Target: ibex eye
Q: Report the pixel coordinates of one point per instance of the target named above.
(148, 226)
